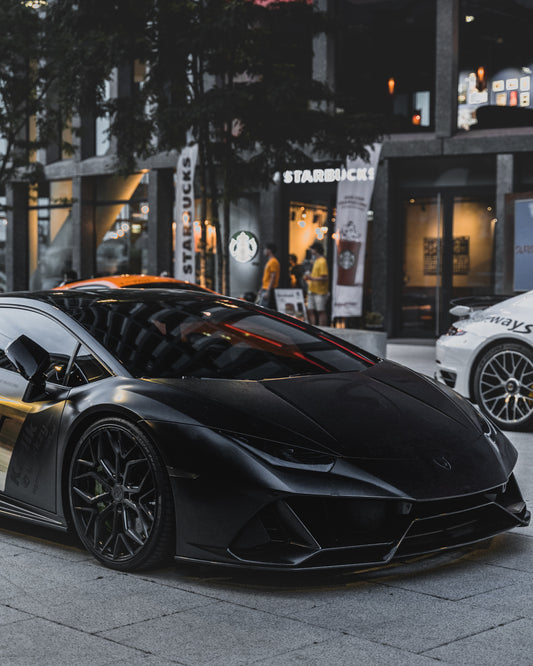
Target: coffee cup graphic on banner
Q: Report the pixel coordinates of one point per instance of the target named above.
(348, 249)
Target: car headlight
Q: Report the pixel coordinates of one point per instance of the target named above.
(453, 330)
(286, 455)
(487, 427)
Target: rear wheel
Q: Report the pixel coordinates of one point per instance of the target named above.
(120, 497)
(503, 386)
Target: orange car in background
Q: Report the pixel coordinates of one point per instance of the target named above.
(134, 282)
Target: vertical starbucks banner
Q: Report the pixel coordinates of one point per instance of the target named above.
(184, 255)
(354, 192)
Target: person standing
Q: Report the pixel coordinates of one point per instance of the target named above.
(270, 277)
(296, 274)
(318, 288)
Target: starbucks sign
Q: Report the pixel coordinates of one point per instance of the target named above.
(243, 246)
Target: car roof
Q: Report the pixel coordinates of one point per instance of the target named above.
(132, 281)
(64, 300)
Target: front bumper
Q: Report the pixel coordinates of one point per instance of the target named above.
(307, 533)
(454, 356)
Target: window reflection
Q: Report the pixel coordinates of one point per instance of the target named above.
(53, 337)
(495, 64)
(207, 338)
(102, 125)
(50, 225)
(470, 244)
(122, 225)
(385, 60)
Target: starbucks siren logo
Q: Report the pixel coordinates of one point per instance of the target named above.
(243, 246)
(346, 259)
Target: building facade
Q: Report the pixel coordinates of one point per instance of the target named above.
(453, 77)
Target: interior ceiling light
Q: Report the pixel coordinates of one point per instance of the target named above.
(34, 4)
(481, 81)
(469, 18)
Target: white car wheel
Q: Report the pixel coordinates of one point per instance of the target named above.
(503, 386)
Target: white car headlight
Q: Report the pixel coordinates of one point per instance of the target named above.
(453, 330)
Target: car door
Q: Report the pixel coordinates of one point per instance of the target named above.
(28, 430)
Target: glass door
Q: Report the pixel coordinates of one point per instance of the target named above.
(447, 254)
(421, 279)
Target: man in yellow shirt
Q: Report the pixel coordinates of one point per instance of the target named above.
(317, 294)
(270, 277)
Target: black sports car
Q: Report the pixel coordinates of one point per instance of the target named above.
(160, 423)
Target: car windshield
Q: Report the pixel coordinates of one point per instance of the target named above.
(167, 335)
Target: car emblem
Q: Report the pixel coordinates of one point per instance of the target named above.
(441, 461)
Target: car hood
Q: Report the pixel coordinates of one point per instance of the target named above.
(385, 415)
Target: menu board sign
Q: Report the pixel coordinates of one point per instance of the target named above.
(291, 302)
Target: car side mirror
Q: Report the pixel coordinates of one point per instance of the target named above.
(461, 311)
(32, 361)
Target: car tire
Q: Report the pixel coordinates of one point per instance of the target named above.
(120, 497)
(503, 386)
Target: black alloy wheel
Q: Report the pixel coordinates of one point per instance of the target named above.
(503, 386)
(120, 497)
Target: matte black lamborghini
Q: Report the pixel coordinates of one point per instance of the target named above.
(180, 423)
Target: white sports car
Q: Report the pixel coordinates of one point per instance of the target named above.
(487, 356)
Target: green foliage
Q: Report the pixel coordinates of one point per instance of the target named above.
(22, 84)
(232, 75)
(211, 65)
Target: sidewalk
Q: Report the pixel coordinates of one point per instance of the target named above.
(416, 354)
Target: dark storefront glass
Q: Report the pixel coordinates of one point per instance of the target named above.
(122, 225)
(495, 64)
(385, 60)
(448, 253)
(50, 224)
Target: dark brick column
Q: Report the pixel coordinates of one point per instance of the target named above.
(446, 71)
(83, 231)
(161, 203)
(382, 269)
(504, 232)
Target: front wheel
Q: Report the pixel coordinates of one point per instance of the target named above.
(503, 386)
(120, 497)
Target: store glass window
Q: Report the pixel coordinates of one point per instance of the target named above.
(308, 222)
(121, 224)
(385, 60)
(474, 224)
(495, 64)
(50, 226)
(102, 125)
(448, 254)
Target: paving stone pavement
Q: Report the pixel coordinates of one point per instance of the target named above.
(471, 606)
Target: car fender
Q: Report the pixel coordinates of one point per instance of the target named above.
(114, 396)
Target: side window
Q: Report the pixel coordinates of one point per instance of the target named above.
(50, 334)
(85, 369)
